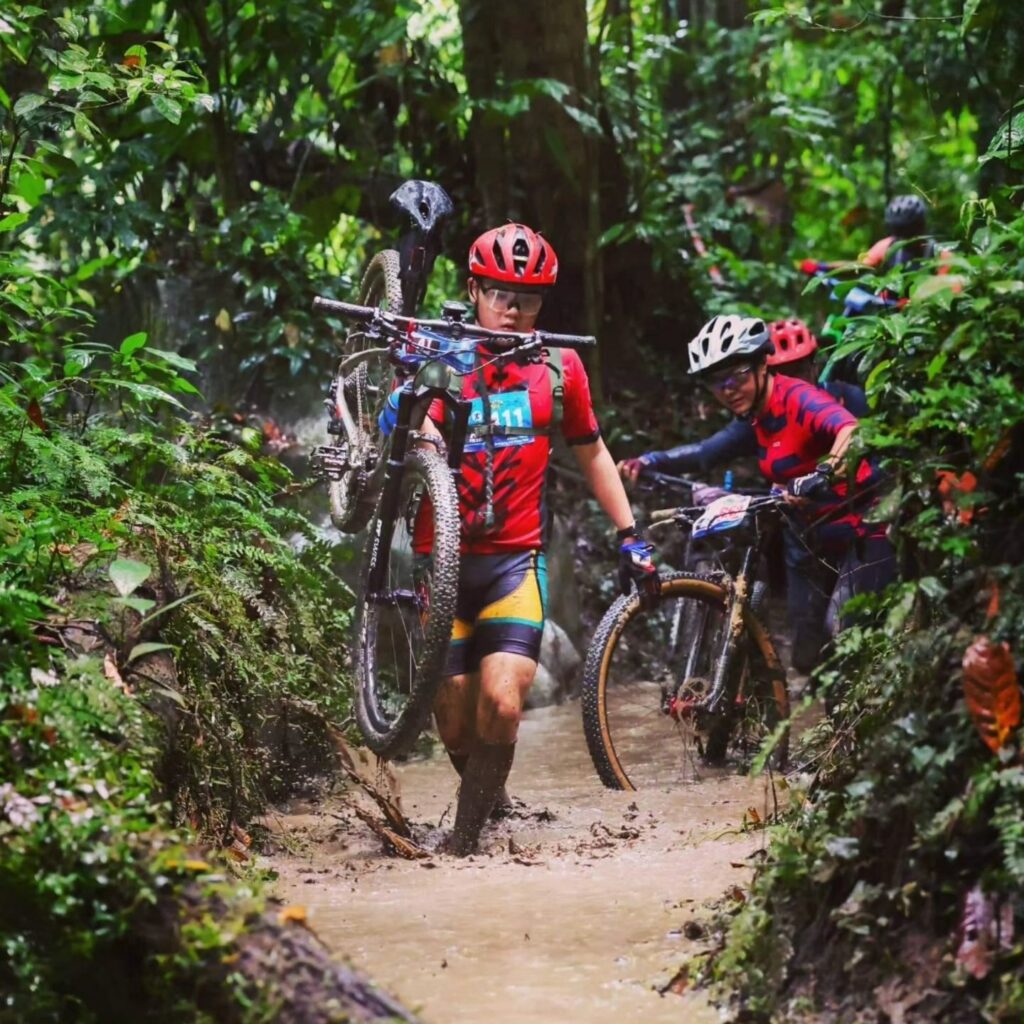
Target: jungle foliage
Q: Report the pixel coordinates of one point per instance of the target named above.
(177, 180)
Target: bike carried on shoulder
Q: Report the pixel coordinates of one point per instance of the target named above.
(395, 280)
(409, 577)
(698, 671)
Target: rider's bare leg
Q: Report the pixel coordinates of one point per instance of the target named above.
(455, 710)
(504, 681)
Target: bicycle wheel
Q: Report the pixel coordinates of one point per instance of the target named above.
(641, 660)
(402, 632)
(354, 495)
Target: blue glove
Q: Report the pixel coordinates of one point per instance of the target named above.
(635, 566)
(815, 486)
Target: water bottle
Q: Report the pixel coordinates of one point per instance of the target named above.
(727, 485)
(388, 418)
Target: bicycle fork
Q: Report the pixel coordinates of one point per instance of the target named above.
(732, 635)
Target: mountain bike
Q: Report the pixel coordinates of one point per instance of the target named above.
(841, 362)
(396, 281)
(697, 673)
(409, 577)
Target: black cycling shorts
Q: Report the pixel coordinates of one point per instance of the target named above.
(500, 607)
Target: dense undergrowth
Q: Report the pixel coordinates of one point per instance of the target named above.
(171, 631)
(893, 889)
(165, 623)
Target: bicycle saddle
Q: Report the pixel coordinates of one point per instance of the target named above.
(426, 203)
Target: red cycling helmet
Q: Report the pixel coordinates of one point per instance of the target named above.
(514, 254)
(792, 340)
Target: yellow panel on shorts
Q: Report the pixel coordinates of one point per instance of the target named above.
(523, 604)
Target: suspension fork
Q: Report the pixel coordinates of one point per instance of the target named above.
(732, 636)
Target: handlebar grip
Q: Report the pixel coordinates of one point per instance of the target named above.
(660, 515)
(576, 341)
(346, 309)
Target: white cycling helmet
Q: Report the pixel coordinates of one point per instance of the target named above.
(727, 338)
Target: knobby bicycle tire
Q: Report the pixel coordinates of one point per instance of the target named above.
(635, 746)
(353, 497)
(387, 733)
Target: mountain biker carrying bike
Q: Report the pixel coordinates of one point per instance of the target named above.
(502, 593)
(800, 434)
(907, 243)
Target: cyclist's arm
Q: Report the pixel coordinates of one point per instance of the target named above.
(840, 445)
(731, 442)
(598, 468)
(583, 435)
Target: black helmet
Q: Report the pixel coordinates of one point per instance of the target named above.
(906, 216)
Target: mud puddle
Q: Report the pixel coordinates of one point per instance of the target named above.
(574, 911)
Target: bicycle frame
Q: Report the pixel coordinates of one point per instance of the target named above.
(434, 372)
(738, 617)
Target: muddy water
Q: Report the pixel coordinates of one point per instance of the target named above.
(574, 911)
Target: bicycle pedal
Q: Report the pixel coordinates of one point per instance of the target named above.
(330, 461)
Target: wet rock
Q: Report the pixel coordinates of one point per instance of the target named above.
(558, 672)
(563, 587)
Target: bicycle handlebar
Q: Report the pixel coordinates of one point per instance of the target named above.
(760, 503)
(399, 326)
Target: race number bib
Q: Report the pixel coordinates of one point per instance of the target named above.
(508, 409)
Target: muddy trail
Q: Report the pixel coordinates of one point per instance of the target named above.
(580, 907)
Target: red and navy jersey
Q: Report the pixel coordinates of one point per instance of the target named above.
(520, 396)
(794, 432)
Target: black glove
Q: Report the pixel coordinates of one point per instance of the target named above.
(635, 566)
(816, 485)
(633, 468)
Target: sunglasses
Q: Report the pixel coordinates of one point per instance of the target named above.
(501, 299)
(729, 380)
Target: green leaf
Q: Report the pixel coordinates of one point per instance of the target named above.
(168, 607)
(173, 359)
(84, 126)
(27, 103)
(169, 108)
(141, 650)
(148, 392)
(133, 343)
(128, 575)
(12, 220)
(970, 10)
(133, 89)
(63, 83)
(137, 51)
(138, 604)
(31, 188)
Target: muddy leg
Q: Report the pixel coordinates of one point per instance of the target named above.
(504, 680)
(483, 780)
(503, 805)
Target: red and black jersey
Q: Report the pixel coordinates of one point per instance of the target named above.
(795, 431)
(520, 397)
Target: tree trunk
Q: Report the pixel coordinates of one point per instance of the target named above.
(537, 166)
